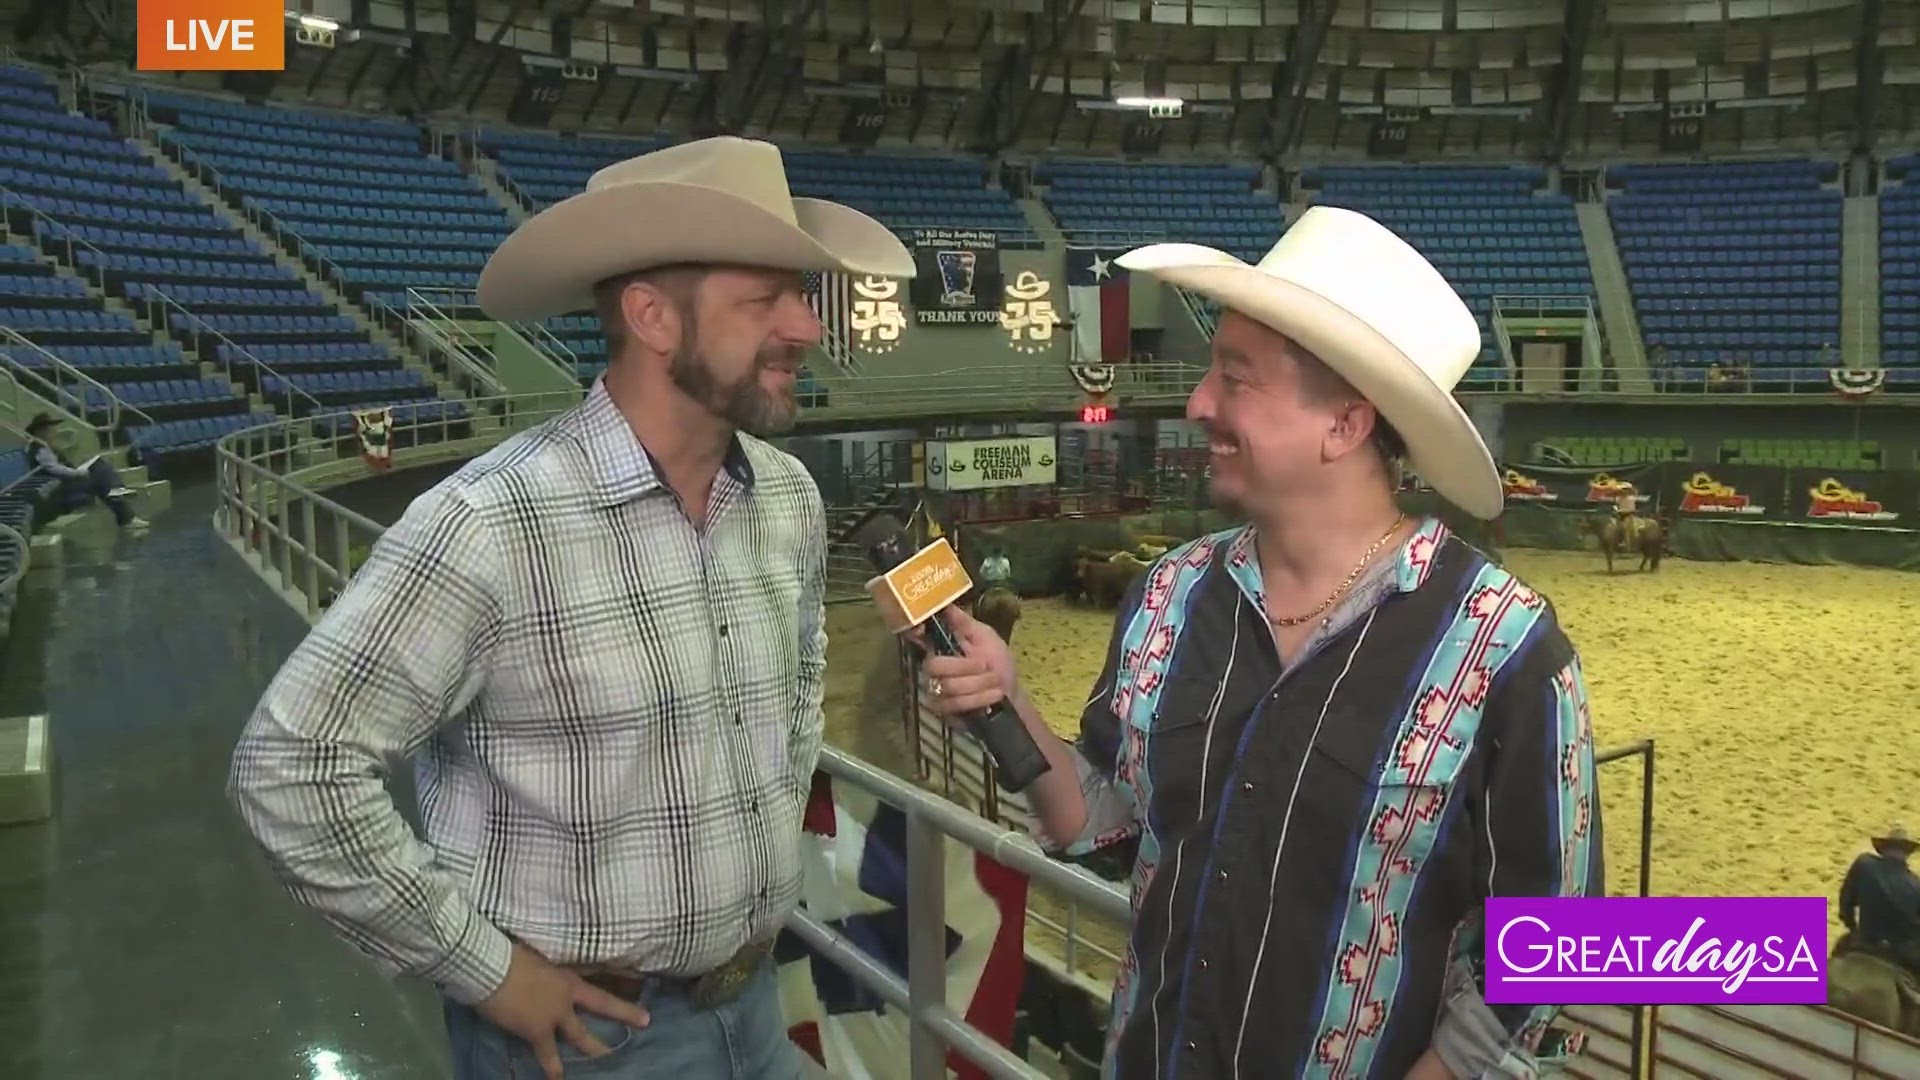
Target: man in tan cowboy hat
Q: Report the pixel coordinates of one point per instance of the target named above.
(1334, 730)
(1880, 900)
(603, 643)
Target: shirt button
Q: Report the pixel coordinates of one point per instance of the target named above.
(1220, 875)
(1203, 963)
(1192, 1045)
(753, 807)
(737, 721)
(723, 629)
(1246, 786)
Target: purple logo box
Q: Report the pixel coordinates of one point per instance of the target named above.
(1656, 950)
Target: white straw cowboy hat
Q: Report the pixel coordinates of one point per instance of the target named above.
(720, 200)
(1349, 291)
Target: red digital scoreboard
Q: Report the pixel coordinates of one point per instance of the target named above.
(1096, 414)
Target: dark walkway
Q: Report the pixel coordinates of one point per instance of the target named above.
(140, 934)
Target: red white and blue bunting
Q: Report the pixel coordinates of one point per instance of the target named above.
(1852, 383)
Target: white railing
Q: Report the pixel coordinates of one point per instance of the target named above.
(309, 544)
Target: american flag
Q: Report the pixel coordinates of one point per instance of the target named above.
(830, 296)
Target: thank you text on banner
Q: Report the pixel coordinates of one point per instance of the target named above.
(957, 278)
(1659, 950)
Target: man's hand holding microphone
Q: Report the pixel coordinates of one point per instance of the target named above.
(982, 676)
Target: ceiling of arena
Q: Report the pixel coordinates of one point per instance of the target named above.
(1281, 79)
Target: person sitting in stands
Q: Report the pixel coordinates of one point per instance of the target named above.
(83, 483)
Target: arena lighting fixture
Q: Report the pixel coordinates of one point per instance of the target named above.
(1149, 102)
(315, 22)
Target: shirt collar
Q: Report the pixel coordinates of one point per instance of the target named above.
(624, 469)
(1408, 569)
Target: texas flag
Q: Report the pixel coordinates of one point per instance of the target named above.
(1099, 299)
(854, 857)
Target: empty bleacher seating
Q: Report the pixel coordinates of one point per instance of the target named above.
(1804, 453)
(1485, 228)
(901, 192)
(1900, 273)
(415, 221)
(1108, 204)
(1596, 450)
(1733, 264)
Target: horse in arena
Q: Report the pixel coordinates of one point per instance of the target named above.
(1106, 580)
(1000, 609)
(1873, 988)
(1618, 535)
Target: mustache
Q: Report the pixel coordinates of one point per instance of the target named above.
(781, 354)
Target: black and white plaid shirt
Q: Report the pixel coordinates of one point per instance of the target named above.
(614, 716)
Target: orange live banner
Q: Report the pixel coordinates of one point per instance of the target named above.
(211, 35)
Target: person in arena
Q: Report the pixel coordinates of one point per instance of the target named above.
(1334, 731)
(603, 642)
(80, 484)
(1880, 901)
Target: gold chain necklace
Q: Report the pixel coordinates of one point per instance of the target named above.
(1352, 576)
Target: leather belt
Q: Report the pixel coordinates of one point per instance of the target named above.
(707, 991)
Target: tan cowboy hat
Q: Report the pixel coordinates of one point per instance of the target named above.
(1896, 836)
(718, 200)
(1349, 291)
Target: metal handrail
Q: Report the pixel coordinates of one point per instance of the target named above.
(26, 547)
(62, 232)
(157, 297)
(115, 407)
(464, 351)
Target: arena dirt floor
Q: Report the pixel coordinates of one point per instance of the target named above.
(1781, 700)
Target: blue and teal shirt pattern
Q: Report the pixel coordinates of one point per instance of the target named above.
(1317, 837)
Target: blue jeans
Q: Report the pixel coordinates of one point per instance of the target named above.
(76, 492)
(743, 1040)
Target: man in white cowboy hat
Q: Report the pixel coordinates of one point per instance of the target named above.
(1880, 900)
(604, 642)
(1334, 730)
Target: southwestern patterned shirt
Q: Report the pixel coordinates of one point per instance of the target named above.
(1317, 838)
(614, 716)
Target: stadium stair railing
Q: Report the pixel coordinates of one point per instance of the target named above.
(431, 323)
(67, 387)
(225, 351)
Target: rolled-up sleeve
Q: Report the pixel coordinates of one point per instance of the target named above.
(401, 651)
(1538, 834)
(1113, 805)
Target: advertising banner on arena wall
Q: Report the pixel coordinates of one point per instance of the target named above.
(1728, 492)
(1852, 497)
(1582, 487)
(957, 279)
(979, 464)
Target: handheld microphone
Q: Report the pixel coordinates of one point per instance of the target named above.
(915, 588)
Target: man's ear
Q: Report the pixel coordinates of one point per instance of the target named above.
(652, 317)
(1351, 427)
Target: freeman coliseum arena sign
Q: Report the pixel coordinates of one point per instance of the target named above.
(978, 464)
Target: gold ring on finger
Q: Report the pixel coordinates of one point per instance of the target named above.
(937, 689)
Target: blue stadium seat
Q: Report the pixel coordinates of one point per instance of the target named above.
(1900, 272)
(1735, 263)
(901, 192)
(1107, 204)
(1489, 229)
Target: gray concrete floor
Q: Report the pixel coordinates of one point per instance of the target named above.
(141, 936)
